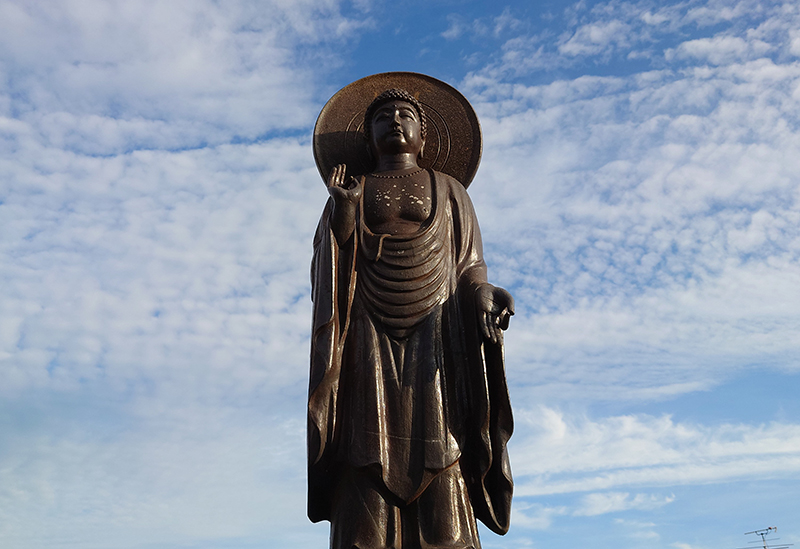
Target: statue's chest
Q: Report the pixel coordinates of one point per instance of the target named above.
(397, 206)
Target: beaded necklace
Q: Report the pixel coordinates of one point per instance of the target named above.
(409, 174)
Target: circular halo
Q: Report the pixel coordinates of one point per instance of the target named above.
(453, 143)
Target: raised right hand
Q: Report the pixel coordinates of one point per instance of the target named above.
(343, 189)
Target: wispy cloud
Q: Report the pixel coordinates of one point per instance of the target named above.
(156, 214)
(611, 502)
(154, 275)
(655, 217)
(192, 262)
(720, 49)
(497, 26)
(594, 38)
(535, 516)
(186, 473)
(104, 77)
(613, 32)
(566, 454)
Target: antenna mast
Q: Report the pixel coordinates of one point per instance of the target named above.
(764, 532)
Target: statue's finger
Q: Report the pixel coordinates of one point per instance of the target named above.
(505, 316)
(485, 325)
(334, 176)
(504, 299)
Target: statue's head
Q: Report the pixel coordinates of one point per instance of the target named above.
(391, 104)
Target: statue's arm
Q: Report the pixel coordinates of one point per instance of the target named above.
(346, 194)
(493, 304)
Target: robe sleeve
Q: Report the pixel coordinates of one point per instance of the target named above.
(489, 421)
(332, 287)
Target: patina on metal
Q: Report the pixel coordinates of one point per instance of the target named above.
(408, 411)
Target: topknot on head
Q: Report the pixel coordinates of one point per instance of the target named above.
(394, 94)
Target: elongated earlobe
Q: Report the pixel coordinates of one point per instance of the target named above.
(371, 156)
(421, 150)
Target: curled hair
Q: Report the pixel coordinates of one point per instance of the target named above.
(392, 95)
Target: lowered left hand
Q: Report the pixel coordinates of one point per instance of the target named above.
(495, 307)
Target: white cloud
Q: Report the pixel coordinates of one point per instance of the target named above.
(154, 307)
(716, 11)
(456, 27)
(181, 474)
(614, 32)
(506, 22)
(595, 38)
(190, 268)
(565, 454)
(655, 223)
(104, 77)
(612, 502)
(721, 49)
(794, 46)
(497, 26)
(150, 298)
(534, 516)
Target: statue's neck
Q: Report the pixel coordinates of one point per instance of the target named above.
(396, 162)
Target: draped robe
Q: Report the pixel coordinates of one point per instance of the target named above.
(402, 383)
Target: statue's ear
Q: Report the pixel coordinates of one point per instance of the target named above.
(421, 149)
(370, 155)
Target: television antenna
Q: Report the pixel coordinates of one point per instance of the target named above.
(763, 533)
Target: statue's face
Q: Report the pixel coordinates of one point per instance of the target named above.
(396, 128)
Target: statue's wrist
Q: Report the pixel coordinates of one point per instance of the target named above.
(343, 208)
(481, 286)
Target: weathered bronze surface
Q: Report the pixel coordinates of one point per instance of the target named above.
(452, 145)
(408, 411)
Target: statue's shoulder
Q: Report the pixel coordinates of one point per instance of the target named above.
(453, 185)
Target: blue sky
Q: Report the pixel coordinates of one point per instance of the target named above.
(639, 195)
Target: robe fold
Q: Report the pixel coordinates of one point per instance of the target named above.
(402, 383)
